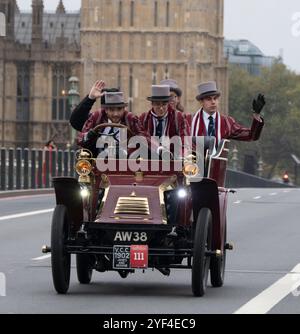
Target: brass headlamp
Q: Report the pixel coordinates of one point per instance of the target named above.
(190, 169)
(84, 169)
(83, 166)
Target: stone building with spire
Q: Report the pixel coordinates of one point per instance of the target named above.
(37, 57)
(129, 44)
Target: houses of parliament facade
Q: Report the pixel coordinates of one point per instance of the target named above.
(130, 44)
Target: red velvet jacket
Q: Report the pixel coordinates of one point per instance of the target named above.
(176, 123)
(100, 117)
(230, 129)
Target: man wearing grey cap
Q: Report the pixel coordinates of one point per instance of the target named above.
(209, 122)
(162, 119)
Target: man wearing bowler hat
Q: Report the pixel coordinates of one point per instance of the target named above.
(162, 119)
(209, 122)
(113, 111)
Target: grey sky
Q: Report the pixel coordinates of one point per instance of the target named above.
(268, 24)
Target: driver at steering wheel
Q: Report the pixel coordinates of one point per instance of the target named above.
(112, 112)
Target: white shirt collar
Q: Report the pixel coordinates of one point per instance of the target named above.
(206, 115)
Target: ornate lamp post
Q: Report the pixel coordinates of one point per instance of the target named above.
(74, 99)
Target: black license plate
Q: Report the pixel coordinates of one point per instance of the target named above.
(121, 257)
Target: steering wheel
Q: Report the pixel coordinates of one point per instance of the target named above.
(112, 125)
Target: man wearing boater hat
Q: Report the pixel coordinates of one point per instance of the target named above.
(209, 122)
(113, 111)
(163, 120)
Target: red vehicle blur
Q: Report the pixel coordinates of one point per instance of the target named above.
(285, 177)
(129, 221)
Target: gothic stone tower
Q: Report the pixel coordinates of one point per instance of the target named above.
(135, 43)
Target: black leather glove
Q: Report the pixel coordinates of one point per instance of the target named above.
(259, 104)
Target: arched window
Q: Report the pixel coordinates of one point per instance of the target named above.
(61, 109)
(120, 13)
(155, 13)
(168, 14)
(9, 13)
(132, 13)
(23, 91)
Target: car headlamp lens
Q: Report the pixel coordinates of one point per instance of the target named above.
(190, 170)
(84, 192)
(83, 168)
(182, 193)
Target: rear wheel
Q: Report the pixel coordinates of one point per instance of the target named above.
(84, 265)
(202, 244)
(60, 259)
(217, 266)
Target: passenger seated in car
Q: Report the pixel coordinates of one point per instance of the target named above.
(176, 97)
(208, 121)
(162, 120)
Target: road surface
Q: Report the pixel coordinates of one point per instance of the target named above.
(262, 273)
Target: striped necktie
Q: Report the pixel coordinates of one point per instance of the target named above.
(211, 127)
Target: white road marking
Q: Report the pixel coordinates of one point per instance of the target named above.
(41, 258)
(26, 214)
(17, 198)
(286, 191)
(273, 194)
(257, 197)
(237, 202)
(270, 297)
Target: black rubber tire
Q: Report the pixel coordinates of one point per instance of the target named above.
(60, 259)
(202, 243)
(84, 266)
(217, 267)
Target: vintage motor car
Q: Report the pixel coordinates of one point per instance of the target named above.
(129, 221)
